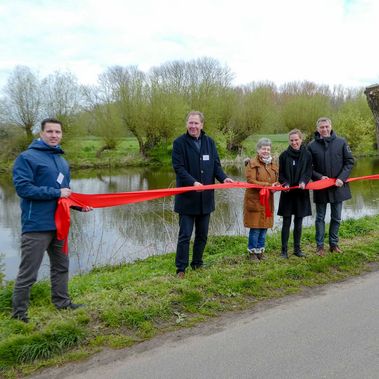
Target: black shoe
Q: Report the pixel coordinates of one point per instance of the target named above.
(197, 267)
(22, 318)
(71, 306)
(299, 254)
(284, 255)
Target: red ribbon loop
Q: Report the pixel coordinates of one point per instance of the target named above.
(264, 199)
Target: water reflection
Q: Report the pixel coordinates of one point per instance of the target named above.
(135, 231)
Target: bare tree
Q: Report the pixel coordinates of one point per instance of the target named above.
(62, 97)
(22, 102)
(101, 105)
(202, 84)
(302, 103)
(372, 95)
(131, 93)
(252, 106)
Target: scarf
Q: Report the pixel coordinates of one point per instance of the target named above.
(266, 160)
(295, 172)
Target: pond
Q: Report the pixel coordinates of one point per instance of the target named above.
(136, 231)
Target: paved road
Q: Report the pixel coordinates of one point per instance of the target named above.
(330, 333)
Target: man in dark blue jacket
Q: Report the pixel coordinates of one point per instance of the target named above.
(196, 163)
(41, 176)
(331, 158)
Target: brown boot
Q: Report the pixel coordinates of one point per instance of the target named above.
(320, 251)
(252, 254)
(260, 254)
(335, 249)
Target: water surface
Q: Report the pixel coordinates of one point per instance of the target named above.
(136, 231)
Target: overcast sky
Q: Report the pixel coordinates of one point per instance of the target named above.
(324, 41)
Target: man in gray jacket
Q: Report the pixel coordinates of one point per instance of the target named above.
(331, 158)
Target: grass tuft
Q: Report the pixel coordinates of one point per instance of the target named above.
(55, 339)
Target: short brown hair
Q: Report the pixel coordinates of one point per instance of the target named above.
(49, 120)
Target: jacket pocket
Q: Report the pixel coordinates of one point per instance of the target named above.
(252, 205)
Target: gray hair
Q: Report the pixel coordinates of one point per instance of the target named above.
(263, 142)
(196, 113)
(323, 119)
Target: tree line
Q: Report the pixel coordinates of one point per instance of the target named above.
(151, 106)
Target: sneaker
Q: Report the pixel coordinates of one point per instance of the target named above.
(71, 306)
(335, 249)
(320, 251)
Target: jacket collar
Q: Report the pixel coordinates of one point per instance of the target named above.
(256, 162)
(319, 139)
(191, 141)
(202, 133)
(38, 144)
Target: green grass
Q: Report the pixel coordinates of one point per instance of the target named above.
(130, 303)
(279, 143)
(84, 153)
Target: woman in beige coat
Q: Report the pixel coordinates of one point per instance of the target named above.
(263, 171)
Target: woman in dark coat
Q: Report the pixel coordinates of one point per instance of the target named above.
(295, 169)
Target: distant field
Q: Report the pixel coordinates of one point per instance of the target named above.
(86, 150)
(279, 142)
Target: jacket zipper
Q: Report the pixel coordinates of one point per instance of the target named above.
(30, 210)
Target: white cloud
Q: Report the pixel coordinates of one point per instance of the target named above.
(325, 41)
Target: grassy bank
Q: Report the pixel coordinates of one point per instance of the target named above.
(130, 303)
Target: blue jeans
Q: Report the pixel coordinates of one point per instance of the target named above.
(257, 238)
(335, 221)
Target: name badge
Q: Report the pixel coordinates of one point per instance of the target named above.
(60, 178)
(205, 157)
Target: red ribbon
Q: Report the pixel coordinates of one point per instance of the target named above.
(62, 214)
(264, 199)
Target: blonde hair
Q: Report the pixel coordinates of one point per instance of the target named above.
(296, 131)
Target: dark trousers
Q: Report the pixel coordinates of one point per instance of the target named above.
(33, 247)
(186, 223)
(335, 221)
(297, 229)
